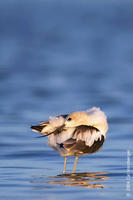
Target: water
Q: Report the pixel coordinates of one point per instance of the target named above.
(57, 57)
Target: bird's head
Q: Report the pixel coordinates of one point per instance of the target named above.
(75, 119)
(92, 117)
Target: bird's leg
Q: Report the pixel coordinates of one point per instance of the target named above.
(65, 162)
(75, 164)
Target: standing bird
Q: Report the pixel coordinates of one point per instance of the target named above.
(75, 134)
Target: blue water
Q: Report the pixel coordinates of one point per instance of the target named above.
(56, 57)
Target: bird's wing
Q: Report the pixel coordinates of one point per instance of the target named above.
(85, 139)
(88, 134)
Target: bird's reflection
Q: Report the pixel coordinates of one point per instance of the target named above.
(86, 180)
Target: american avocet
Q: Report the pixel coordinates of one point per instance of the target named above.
(75, 134)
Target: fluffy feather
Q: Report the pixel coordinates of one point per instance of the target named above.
(86, 126)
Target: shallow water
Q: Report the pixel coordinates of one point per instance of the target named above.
(57, 57)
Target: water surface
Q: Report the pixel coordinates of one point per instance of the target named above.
(57, 57)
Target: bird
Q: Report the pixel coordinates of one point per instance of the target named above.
(75, 134)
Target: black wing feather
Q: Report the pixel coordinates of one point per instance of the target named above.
(79, 147)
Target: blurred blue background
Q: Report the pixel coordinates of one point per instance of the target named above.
(56, 57)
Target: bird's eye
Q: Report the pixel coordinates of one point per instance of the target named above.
(69, 119)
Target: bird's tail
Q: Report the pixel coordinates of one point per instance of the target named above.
(40, 129)
(37, 128)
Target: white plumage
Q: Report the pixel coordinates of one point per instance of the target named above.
(78, 133)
